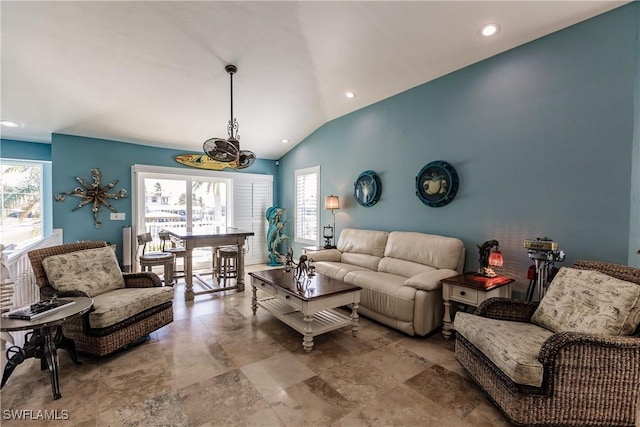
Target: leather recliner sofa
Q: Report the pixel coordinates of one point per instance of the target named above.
(399, 272)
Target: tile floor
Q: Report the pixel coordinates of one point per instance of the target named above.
(217, 364)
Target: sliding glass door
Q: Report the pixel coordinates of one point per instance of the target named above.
(177, 197)
(170, 201)
(179, 203)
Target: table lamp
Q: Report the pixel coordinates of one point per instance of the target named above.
(331, 203)
(490, 257)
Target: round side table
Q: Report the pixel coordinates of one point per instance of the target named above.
(45, 340)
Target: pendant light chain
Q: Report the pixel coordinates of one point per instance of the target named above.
(231, 121)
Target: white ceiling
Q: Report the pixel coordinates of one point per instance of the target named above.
(153, 72)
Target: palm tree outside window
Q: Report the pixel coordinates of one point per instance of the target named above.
(21, 210)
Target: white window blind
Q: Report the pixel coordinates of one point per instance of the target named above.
(252, 198)
(307, 217)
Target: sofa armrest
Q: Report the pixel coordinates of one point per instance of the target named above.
(326, 255)
(592, 358)
(144, 279)
(429, 280)
(49, 291)
(507, 309)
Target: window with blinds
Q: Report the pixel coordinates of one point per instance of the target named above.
(307, 193)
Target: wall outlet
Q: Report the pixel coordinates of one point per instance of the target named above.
(118, 216)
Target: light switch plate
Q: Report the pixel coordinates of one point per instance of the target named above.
(118, 216)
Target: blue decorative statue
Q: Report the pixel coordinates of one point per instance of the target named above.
(274, 234)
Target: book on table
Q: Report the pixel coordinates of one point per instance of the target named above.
(38, 309)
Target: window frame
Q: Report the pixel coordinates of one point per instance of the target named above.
(41, 166)
(314, 170)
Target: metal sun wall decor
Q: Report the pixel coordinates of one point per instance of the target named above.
(95, 194)
(437, 184)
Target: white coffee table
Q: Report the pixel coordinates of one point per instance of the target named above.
(308, 308)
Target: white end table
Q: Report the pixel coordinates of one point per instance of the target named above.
(471, 289)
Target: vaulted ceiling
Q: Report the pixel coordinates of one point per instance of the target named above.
(153, 72)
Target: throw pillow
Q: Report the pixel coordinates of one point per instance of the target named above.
(92, 271)
(588, 301)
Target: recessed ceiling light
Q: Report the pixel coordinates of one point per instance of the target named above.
(489, 30)
(8, 124)
(285, 141)
(350, 95)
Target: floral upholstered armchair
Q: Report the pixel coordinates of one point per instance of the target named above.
(126, 307)
(571, 360)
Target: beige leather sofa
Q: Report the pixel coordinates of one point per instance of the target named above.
(399, 273)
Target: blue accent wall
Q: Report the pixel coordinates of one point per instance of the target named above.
(10, 149)
(634, 229)
(542, 137)
(545, 139)
(75, 156)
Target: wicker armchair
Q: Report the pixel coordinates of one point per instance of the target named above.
(104, 340)
(587, 379)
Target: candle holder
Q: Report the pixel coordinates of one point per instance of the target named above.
(327, 233)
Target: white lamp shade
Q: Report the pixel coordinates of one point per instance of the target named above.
(331, 202)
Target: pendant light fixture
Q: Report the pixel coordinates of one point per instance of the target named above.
(228, 150)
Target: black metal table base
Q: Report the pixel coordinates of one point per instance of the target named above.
(43, 344)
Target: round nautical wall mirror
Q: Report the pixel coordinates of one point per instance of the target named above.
(367, 188)
(437, 184)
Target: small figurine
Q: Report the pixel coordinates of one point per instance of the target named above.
(302, 270)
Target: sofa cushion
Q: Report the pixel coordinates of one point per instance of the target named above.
(120, 304)
(512, 346)
(588, 301)
(363, 260)
(428, 249)
(384, 293)
(368, 242)
(92, 271)
(429, 280)
(336, 270)
(402, 267)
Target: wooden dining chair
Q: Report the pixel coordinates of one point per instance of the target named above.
(152, 259)
(167, 244)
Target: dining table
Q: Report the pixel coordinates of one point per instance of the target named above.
(199, 237)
